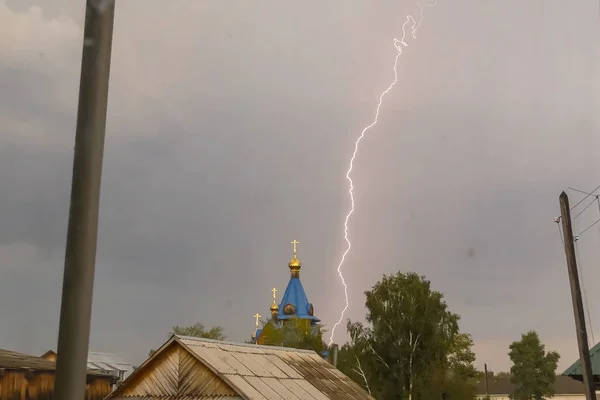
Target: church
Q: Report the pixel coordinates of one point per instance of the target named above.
(294, 307)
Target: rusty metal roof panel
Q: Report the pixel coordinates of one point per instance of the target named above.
(179, 398)
(311, 390)
(289, 371)
(274, 373)
(245, 387)
(264, 389)
(214, 357)
(250, 362)
(272, 369)
(285, 392)
(293, 387)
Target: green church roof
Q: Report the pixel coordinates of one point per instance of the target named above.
(574, 370)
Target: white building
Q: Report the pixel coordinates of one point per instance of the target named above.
(500, 388)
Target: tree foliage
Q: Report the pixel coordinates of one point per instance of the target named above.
(196, 330)
(413, 348)
(355, 358)
(534, 370)
(294, 334)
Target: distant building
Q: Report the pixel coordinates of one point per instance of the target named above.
(189, 368)
(25, 377)
(294, 307)
(500, 388)
(110, 363)
(574, 371)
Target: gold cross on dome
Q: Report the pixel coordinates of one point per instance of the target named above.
(257, 316)
(274, 291)
(294, 242)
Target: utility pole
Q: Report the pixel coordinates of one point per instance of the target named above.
(80, 253)
(582, 340)
(487, 388)
(334, 355)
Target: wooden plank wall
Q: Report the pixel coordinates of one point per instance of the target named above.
(27, 385)
(174, 373)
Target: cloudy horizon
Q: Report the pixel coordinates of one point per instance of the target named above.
(229, 133)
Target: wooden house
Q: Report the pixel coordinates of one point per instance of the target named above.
(24, 377)
(109, 363)
(187, 368)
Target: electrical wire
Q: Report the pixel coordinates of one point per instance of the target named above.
(585, 208)
(588, 228)
(587, 195)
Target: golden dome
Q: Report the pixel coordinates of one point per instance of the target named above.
(274, 307)
(295, 263)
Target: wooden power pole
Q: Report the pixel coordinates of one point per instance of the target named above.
(80, 255)
(582, 340)
(487, 388)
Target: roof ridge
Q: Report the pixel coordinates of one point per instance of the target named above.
(260, 346)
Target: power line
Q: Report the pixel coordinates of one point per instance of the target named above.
(596, 200)
(588, 228)
(582, 192)
(587, 195)
(585, 208)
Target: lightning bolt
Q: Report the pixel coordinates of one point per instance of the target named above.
(399, 45)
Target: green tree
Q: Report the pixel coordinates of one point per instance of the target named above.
(355, 358)
(534, 370)
(196, 330)
(294, 334)
(413, 348)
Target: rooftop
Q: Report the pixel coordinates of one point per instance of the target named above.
(497, 385)
(102, 361)
(12, 360)
(296, 296)
(574, 371)
(253, 372)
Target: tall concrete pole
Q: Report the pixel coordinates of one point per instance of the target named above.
(80, 254)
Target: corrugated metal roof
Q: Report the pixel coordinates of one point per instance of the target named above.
(575, 369)
(109, 362)
(104, 362)
(274, 373)
(188, 398)
(13, 360)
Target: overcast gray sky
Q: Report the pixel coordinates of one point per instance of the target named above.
(230, 126)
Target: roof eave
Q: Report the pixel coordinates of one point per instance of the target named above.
(131, 376)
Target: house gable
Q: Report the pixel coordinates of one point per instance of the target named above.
(195, 379)
(173, 371)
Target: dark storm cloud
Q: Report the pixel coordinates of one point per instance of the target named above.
(228, 138)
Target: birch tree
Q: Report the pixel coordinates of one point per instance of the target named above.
(412, 347)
